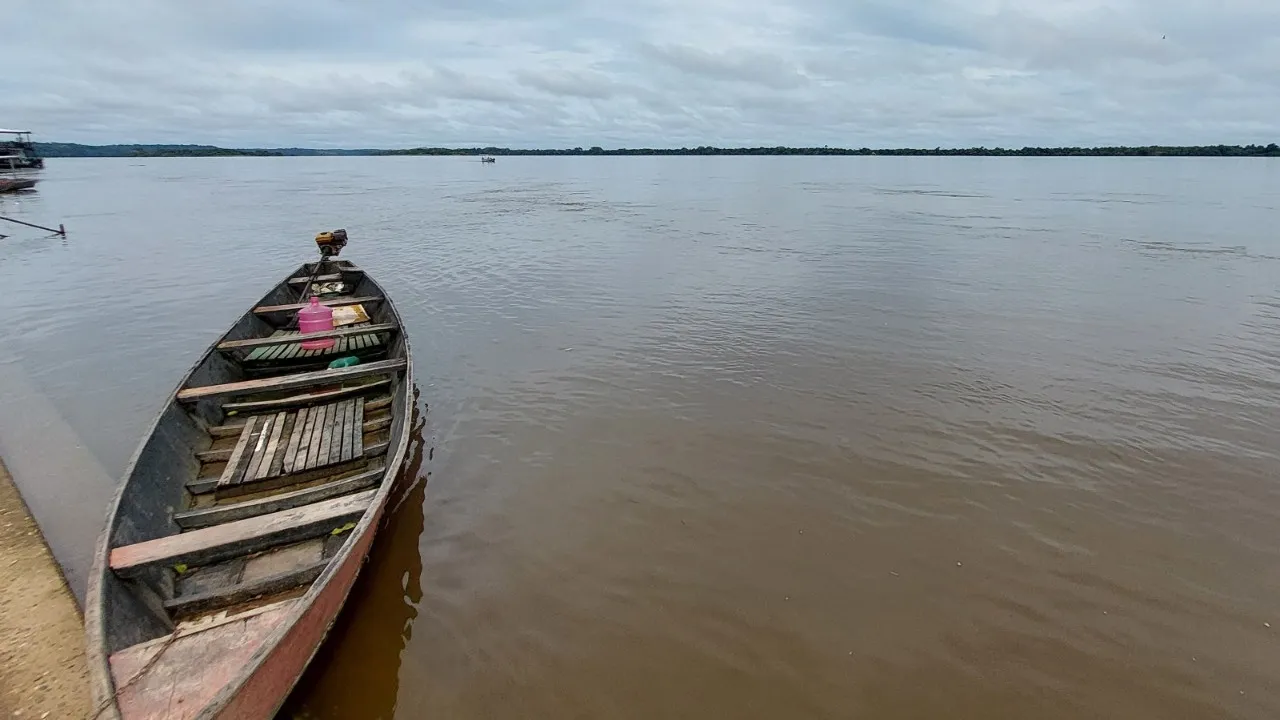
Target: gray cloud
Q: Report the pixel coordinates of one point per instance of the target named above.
(644, 73)
(746, 66)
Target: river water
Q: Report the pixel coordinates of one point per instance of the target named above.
(737, 437)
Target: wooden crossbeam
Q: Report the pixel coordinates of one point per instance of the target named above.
(207, 484)
(245, 591)
(299, 400)
(240, 537)
(293, 381)
(219, 514)
(331, 302)
(292, 339)
(317, 279)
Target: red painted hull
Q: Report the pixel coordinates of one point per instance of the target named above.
(240, 665)
(266, 689)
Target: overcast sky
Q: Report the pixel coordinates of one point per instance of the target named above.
(566, 73)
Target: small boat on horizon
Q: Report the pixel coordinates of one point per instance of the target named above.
(249, 508)
(487, 159)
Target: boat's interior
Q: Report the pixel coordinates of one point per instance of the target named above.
(251, 485)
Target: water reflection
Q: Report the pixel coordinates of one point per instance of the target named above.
(355, 675)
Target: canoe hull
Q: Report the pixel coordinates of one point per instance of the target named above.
(266, 689)
(258, 686)
(14, 185)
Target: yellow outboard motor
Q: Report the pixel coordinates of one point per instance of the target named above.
(331, 242)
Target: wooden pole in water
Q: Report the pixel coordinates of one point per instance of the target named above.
(60, 230)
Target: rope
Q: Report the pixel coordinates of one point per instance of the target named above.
(143, 671)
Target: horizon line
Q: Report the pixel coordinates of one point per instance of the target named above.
(64, 149)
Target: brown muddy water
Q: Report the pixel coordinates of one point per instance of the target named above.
(737, 437)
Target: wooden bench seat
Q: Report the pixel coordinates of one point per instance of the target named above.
(294, 337)
(218, 514)
(241, 537)
(335, 277)
(292, 381)
(331, 302)
(291, 403)
(308, 399)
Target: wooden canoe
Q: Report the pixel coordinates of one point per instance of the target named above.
(16, 184)
(249, 508)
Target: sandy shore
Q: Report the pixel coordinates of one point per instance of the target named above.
(42, 667)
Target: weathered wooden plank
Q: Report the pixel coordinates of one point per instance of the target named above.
(212, 456)
(317, 435)
(240, 537)
(292, 382)
(326, 434)
(190, 665)
(262, 437)
(277, 462)
(224, 431)
(349, 433)
(371, 405)
(335, 277)
(348, 447)
(357, 429)
(219, 514)
(273, 447)
(295, 437)
(274, 353)
(339, 431)
(376, 425)
(236, 461)
(307, 399)
(287, 339)
(351, 449)
(330, 434)
(264, 353)
(304, 450)
(246, 591)
(300, 459)
(203, 485)
(294, 350)
(310, 441)
(346, 412)
(331, 302)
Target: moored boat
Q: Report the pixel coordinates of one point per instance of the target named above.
(16, 184)
(250, 506)
(19, 152)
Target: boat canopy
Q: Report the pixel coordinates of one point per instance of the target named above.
(14, 132)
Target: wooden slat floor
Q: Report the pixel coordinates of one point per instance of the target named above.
(295, 441)
(294, 351)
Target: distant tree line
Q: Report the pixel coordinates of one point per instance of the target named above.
(204, 152)
(57, 150)
(1271, 150)
(75, 150)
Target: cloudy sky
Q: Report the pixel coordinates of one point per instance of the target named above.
(565, 73)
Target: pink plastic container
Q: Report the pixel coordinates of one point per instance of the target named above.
(313, 319)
